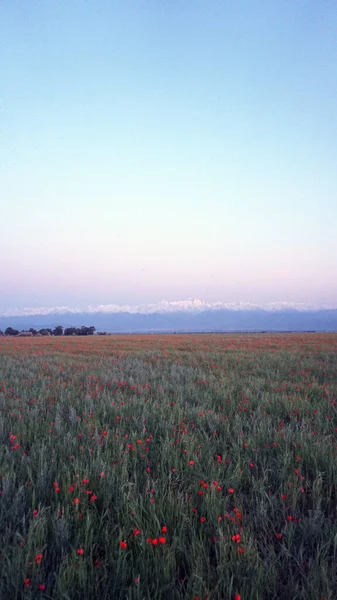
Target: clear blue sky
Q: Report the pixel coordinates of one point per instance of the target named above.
(162, 149)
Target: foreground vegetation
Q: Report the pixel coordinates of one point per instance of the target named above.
(169, 467)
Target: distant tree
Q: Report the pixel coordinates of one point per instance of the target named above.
(33, 331)
(88, 330)
(1, 333)
(80, 330)
(11, 331)
(58, 330)
(45, 331)
(70, 331)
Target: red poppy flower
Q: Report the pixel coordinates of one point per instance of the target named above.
(123, 545)
(162, 540)
(80, 551)
(38, 558)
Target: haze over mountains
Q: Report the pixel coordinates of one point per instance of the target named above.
(186, 315)
(189, 305)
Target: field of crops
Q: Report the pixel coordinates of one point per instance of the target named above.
(169, 467)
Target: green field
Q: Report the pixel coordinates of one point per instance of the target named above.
(169, 467)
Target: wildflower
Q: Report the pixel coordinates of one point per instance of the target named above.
(93, 498)
(80, 551)
(202, 519)
(241, 550)
(35, 512)
(38, 558)
(123, 545)
(236, 538)
(162, 540)
(279, 536)
(136, 531)
(27, 582)
(42, 587)
(237, 597)
(164, 529)
(231, 491)
(191, 462)
(76, 501)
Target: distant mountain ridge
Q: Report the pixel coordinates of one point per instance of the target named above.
(191, 315)
(189, 305)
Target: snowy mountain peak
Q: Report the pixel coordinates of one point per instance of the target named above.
(191, 305)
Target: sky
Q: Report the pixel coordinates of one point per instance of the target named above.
(167, 149)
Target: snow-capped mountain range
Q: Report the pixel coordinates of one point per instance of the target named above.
(191, 315)
(191, 305)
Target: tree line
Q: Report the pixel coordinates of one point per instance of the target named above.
(59, 330)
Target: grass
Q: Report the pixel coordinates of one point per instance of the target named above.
(169, 467)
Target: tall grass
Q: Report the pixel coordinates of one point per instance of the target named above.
(198, 469)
